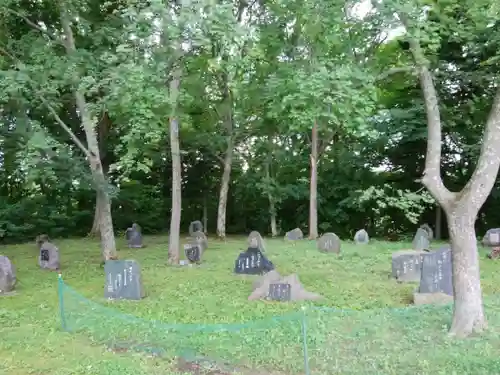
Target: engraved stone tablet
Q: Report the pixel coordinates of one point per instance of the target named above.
(361, 237)
(294, 235)
(280, 292)
(421, 240)
(193, 252)
(407, 265)
(7, 275)
(123, 280)
(252, 262)
(329, 243)
(437, 272)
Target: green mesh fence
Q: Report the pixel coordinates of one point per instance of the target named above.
(311, 341)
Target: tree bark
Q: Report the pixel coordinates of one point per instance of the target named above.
(175, 220)
(228, 159)
(272, 206)
(439, 221)
(103, 131)
(313, 191)
(108, 244)
(205, 214)
(224, 189)
(468, 314)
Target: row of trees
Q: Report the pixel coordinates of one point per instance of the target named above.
(308, 110)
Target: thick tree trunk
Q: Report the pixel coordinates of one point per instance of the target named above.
(224, 190)
(313, 192)
(468, 316)
(99, 206)
(175, 220)
(439, 220)
(108, 244)
(205, 215)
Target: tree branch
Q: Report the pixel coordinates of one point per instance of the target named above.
(61, 123)
(34, 25)
(431, 178)
(484, 176)
(395, 70)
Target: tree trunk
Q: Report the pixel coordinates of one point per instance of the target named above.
(272, 207)
(313, 192)
(175, 220)
(103, 131)
(468, 315)
(205, 214)
(108, 244)
(439, 221)
(224, 190)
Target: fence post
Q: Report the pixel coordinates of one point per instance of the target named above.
(60, 292)
(304, 341)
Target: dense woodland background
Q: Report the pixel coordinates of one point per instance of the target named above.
(248, 91)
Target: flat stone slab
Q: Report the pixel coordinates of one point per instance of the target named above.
(329, 243)
(295, 291)
(431, 299)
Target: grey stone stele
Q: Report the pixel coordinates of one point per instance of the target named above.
(294, 235)
(361, 237)
(134, 236)
(195, 226)
(407, 265)
(329, 243)
(256, 240)
(7, 275)
(492, 238)
(428, 229)
(199, 238)
(54, 261)
(421, 240)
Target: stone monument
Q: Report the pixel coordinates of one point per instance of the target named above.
(134, 236)
(361, 237)
(407, 265)
(195, 226)
(7, 275)
(48, 257)
(329, 243)
(421, 240)
(436, 282)
(123, 280)
(294, 235)
(256, 240)
(252, 262)
(273, 286)
(428, 229)
(492, 238)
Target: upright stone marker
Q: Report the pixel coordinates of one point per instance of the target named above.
(252, 262)
(421, 240)
(428, 229)
(407, 265)
(492, 238)
(256, 240)
(361, 237)
(123, 280)
(49, 256)
(294, 235)
(195, 226)
(200, 239)
(193, 252)
(134, 236)
(7, 275)
(329, 243)
(437, 272)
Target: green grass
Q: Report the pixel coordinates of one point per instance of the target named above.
(365, 326)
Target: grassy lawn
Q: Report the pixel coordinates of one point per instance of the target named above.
(363, 326)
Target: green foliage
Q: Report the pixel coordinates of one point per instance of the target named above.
(369, 326)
